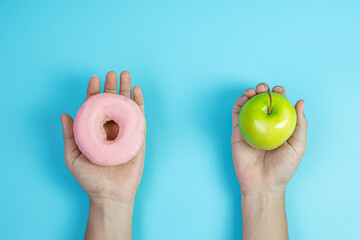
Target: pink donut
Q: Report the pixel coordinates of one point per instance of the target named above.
(90, 135)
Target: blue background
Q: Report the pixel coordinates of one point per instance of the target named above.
(192, 59)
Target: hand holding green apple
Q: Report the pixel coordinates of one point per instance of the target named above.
(271, 143)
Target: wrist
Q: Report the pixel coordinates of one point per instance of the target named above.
(262, 191)
(107, 202)
(263, 201)
(113, 198)
(263, 196)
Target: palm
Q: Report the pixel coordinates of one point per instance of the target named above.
(260, 170)
(120, 182)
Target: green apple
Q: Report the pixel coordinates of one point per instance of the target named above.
(267, 120)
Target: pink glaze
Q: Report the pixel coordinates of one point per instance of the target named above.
(90, 135)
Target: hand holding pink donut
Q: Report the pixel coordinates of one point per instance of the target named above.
(110, 188)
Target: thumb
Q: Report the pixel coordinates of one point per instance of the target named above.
(298, 138)
(70, 147)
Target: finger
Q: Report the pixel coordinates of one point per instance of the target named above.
(249, 93)
(139, 98)
(125, 84)
(279, 90)
(70, 147)
(298, 138)
(239, 103)
(261, 88)
(111, 82)
(236, 135)
(93, 86)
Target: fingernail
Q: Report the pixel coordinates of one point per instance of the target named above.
(247, 90)
(261, 85)
(277, 87)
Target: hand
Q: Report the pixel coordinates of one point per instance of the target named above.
(103, 184)
(260, 171)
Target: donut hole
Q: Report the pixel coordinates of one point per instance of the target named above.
(111, 129)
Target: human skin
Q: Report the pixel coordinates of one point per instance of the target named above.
(263, 175)
(111, 189)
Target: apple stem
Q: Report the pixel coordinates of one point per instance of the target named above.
(270, 109)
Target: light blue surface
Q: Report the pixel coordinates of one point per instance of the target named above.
(192, 59)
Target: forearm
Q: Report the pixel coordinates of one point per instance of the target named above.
(264, 216)
(109, 219)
